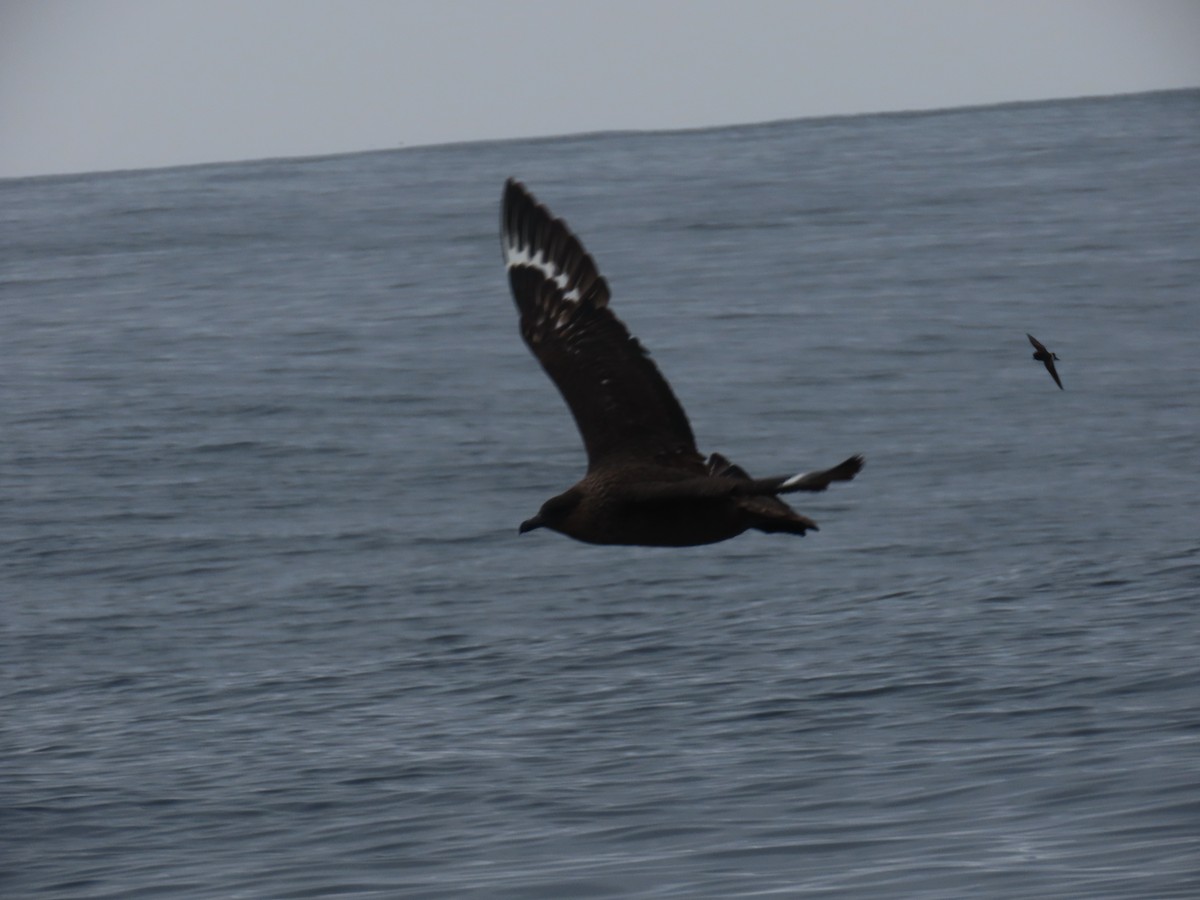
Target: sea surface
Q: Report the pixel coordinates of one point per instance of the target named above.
(267, 430)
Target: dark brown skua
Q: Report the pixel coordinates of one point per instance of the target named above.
(646, 482)
(1045, 356)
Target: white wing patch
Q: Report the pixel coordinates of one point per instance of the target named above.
(515, 255)
(797, 479)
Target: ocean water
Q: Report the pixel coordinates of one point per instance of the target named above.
(267, 628)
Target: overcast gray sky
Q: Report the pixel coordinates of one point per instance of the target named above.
(88, 85)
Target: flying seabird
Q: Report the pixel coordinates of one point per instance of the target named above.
(1045, 356)
(646, 483)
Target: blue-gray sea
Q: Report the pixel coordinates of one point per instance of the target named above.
(268, 429)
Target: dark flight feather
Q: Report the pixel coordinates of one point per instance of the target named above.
(621, 403)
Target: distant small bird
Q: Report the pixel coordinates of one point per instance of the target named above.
(646, 482)
(1045, 356)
